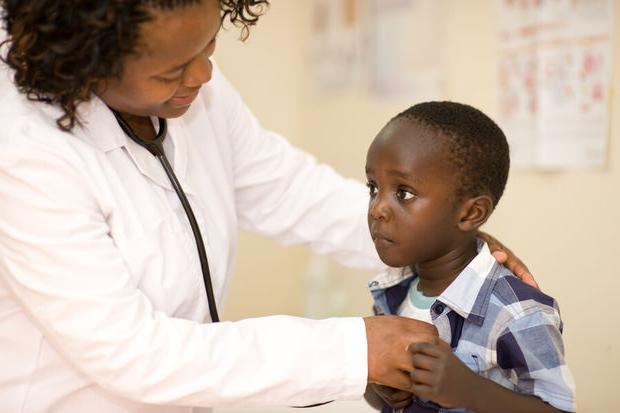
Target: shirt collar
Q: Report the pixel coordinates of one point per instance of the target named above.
(389, 277)
(468, 294)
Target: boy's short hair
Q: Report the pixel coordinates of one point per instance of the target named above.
(475, 145)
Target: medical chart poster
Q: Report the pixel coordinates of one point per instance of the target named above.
(405, 48)
(555, 69)
(337, 46)
(378, 46)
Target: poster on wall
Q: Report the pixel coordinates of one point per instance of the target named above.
(389, 48)
(336, 48)
(405, 48)
(555, 69)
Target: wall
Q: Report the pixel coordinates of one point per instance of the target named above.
(564, 225)
(267, 69)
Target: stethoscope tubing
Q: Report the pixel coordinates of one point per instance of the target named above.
(200, 246)
(156, 148)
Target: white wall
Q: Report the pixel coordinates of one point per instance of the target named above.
(564, 225)
(268, 71)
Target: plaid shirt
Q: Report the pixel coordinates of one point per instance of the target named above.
(497, 325)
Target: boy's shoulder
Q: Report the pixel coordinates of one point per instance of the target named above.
(525, 331)
(510, 289)
(518, 298)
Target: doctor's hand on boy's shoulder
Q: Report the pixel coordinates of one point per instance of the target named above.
(505, 256)
(389, 341)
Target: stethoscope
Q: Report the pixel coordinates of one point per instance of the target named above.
(156, 148)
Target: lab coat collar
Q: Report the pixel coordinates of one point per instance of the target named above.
(99, 126)
(101, 129)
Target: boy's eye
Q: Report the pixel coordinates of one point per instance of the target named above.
(372, 189)
(404, 194)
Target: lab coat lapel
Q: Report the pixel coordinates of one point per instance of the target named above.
(177, 132)
(148, 164)
(102, 130)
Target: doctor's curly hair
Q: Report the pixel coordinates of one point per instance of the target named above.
(60, 49)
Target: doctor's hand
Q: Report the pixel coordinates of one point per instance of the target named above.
(389, 358)
(377, 396)
(504, 256)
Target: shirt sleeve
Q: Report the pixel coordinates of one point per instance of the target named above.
(531, 348)
(59, 263)
(284, 193)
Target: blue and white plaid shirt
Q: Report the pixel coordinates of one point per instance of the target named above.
(497, 325)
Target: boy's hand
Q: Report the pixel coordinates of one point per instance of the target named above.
(504, 256)
(440, 376)
(389, 357)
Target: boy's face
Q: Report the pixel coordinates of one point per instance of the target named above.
(412, 213)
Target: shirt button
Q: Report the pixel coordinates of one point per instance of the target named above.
(438, 309)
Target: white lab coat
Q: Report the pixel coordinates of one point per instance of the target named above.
(102, 302)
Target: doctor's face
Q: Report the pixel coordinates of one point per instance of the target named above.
(172, 62)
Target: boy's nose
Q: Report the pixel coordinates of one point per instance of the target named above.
(378, 209)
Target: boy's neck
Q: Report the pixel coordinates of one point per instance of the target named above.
(436, 275)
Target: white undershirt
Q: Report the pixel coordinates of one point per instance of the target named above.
(416, 305)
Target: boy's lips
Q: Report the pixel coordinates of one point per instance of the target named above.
(380, 238)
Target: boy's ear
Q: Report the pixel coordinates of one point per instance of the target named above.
(475, 212)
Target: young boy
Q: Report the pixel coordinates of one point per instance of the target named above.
(435, 174)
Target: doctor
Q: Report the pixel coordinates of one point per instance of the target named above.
(109, 280)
